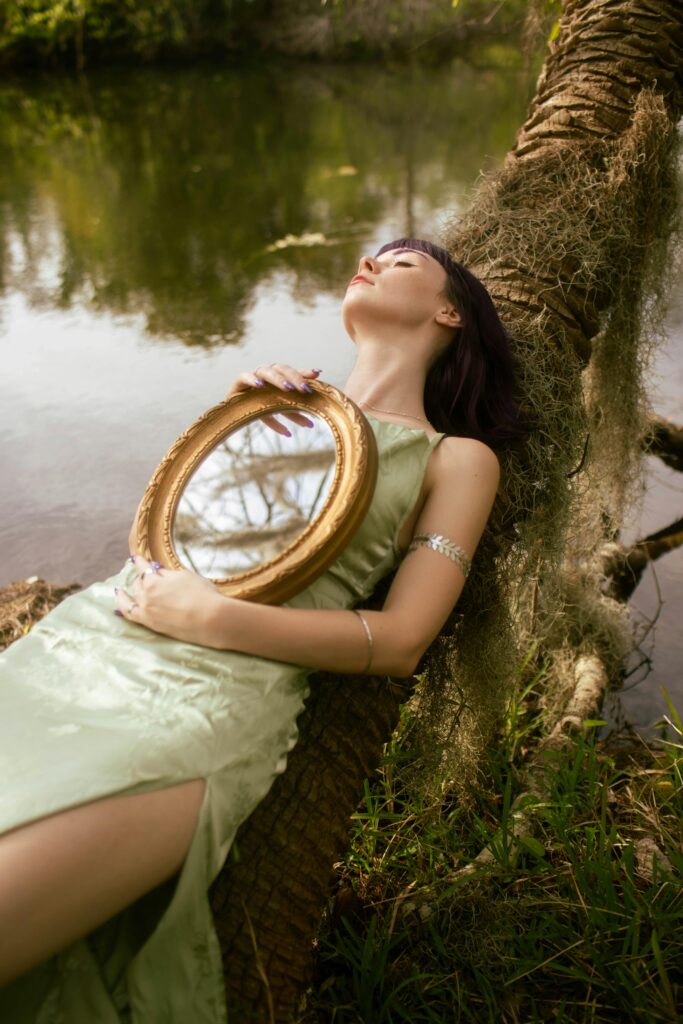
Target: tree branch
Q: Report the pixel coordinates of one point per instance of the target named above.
(665, 439)
(624, 566)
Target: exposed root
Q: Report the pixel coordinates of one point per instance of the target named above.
(590, 684)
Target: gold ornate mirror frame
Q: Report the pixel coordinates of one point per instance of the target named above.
(321, 541)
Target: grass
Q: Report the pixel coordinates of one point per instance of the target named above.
(574, 922)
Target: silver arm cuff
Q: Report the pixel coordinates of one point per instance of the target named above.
(445, 547)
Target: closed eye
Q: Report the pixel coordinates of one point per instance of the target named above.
(403, 263)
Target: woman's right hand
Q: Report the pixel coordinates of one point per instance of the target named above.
(282, 376)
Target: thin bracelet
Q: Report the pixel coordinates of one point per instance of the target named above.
(370, 641)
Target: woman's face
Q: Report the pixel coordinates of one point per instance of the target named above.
(401, 287)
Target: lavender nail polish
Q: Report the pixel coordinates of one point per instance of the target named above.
(117, 611)
(288, 386)
(317, 371)
(306, 387)
(259, 383)
(132, 558)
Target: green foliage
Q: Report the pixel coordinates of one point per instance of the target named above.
(54, 28)
(102, 30)
(584, 924)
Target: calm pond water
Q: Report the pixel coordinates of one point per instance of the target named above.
(161, 230)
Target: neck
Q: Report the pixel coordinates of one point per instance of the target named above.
(393, 384)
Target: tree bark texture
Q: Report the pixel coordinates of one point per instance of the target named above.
(607, 55)
(267, 906)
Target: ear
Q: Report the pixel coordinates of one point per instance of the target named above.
(448, 316)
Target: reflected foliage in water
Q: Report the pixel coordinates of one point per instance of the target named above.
(169, 193)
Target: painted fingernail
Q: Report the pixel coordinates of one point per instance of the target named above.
(156, 566)
(132, 558)
(259, 383)
(305, 387)
(287, 433)
(317, 371)
(116, 590)
(117, 611)
(288, 386)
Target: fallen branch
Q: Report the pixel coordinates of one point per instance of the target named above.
(665, 439)
(624, 566)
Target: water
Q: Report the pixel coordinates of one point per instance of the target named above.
(655, 668)
(162, 230)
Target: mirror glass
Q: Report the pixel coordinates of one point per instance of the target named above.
(252, 495)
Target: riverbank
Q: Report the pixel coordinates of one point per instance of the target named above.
(91, 33)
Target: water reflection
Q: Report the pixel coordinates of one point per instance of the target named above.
(173, 194)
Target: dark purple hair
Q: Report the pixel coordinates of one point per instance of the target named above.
(469, 390)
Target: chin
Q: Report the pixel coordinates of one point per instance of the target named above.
(349, 316)
(349, 328)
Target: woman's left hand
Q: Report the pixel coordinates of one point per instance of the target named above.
(177, 603)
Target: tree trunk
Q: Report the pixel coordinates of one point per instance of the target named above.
(267, 905)
(607, 56)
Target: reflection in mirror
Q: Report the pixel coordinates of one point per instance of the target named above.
(252, 495)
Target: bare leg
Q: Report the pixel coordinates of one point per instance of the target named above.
(62, 876)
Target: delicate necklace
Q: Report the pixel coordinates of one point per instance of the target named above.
(392, 412)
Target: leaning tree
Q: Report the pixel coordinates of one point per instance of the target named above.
(571, 240)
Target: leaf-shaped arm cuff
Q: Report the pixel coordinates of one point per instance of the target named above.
(445, 547)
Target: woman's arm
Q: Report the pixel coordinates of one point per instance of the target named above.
(462, 478)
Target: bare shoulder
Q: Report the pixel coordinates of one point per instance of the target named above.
(464, 458)
(461, 486)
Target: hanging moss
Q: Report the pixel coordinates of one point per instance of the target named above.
(578, 229)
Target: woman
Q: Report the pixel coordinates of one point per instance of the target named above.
(136, 745)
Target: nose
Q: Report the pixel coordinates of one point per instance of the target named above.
(367, 264)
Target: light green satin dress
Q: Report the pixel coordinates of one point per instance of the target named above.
(92, 705)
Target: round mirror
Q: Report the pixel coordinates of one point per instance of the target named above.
(252, 496)
(262, 506)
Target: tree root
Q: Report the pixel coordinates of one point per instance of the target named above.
(590, 683)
